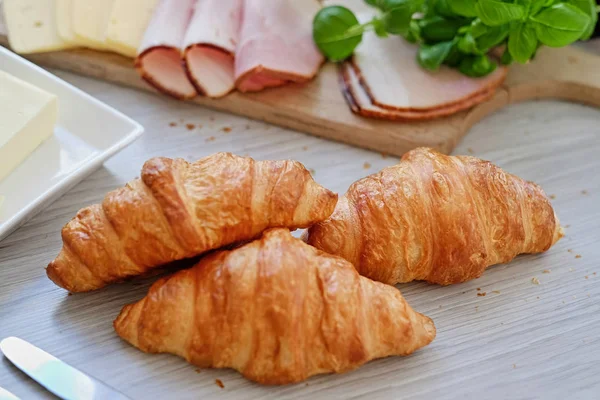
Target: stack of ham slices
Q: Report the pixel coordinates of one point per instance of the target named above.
(212, 47)
(383, 79)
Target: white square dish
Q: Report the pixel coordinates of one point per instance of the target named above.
(87, 133)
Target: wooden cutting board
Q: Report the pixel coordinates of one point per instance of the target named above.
(318, 108)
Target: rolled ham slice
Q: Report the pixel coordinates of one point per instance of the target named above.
(276, 44)
(394, 80)
(159, 57)
(360, 103)
(210, 43)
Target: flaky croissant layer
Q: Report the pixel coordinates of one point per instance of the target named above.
(178, 210)
(437, 218)
(277, 310)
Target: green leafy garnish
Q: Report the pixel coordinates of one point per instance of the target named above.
(461, 33)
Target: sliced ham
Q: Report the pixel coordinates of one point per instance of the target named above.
(210, 43)
(159, 57)
(390, 74)
(276, 44)
(360, 103)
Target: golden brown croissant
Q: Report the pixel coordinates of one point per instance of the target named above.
(178, 210)
(277, 310)
(437, 218)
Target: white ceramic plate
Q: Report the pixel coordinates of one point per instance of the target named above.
(87, 133)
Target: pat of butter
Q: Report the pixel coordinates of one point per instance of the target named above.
(32, 27)
(90, 21)
(127, 24)
(64, 21)
(27, 118)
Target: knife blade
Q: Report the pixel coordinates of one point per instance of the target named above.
(6, 395)
(56, 376)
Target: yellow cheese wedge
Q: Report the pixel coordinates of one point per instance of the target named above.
(127, 25)
(32, 26)
(90, 21)
(27, 118)
(64, 21)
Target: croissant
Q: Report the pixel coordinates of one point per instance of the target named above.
(437, 218)
(277, 310)
(179, 210)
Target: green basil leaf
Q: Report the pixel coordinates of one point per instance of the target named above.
(336, 32)
(467, 44)
(477, 66)
(536, 5)
(560, 25)
(506, 58)
(589, 7)
(466, 8)
(493, 37)
(522, 42)
(439, 29)
(414, 32)
(478, 28)
(454, 57)
(496, 12)
(374, 3)
(397, 16)
(432, 56)
(379, 27)
(442, 7)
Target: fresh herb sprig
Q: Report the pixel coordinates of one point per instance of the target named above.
(461, 33)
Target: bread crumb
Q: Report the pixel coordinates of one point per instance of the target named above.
(304, 148)
(197, 370)
(366, 165)
(570, 250)
(594, 274)
(212, 118)
(586, 277)
(567, 226)
(38, 24)
(535, 281)
(514, 366)
(306, 384)
(190, 127)
(470, 150)
(219, 383)
(578, 256)
(537, 297)
(312, 171)
(69, 294)
(210, 139)
(496, 291)
(226, 129)
(481, 294)
(584, 192)
(384, 155)
(546, 271)
(478, 288)
(552, 196)
(172, 124)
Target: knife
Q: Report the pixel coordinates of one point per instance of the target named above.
(6, 395)
(56, 376)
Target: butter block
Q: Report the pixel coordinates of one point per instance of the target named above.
(90, 22)
(64, 21)
(127, 24)
(27, 118)
(32, 26)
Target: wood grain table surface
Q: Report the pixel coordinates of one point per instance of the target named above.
(522, 340)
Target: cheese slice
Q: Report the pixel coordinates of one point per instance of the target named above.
(127, 24)
(27, 118)
(64, 21)
(90, 21)
(32, 26)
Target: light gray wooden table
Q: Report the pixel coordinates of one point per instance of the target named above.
(520, 341)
